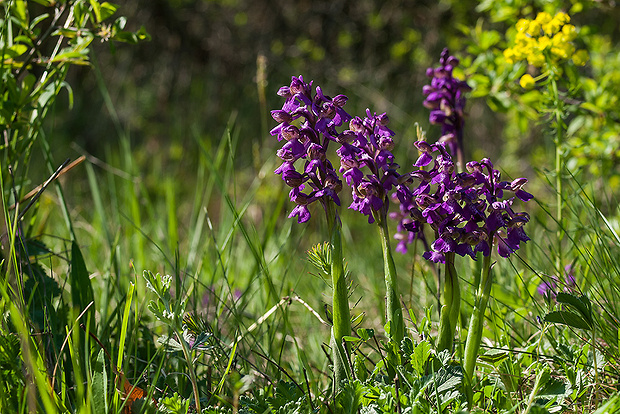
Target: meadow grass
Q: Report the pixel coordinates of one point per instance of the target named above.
(167, 279)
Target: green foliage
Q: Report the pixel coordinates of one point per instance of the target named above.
(12, 379)
(195, 209)
(579, 316)
(174, 404)
(100, 385)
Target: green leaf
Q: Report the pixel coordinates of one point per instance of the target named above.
(592, 108)
(100, 385)
(567, 318)
(103, 10)
(420, 356)
(143, 34)
(15, 51)
(81, 288)
(359, 367)
(581, 304)
(366, 334)
(494, 356)
(107, 10)
(20, 10)
(45, 3)
(174, 405)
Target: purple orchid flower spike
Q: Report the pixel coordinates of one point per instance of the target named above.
(307, 123)
(466, 210)
(446, 100)
(368, 144)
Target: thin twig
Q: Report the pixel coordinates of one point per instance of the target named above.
(36, 192)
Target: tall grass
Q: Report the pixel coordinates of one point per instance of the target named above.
(81, 330)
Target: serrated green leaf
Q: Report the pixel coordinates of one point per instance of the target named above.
(175, 404)
(351, 339)
(567, 318)
(359, 367)
(100, 385)
(420, 356)
(581, 304)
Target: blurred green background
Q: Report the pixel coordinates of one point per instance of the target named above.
(215, 66)
(179, 178)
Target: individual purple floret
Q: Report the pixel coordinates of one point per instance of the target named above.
(549, 288)
(466, 210)
(445, 99)
(307, 123)
(368, 144)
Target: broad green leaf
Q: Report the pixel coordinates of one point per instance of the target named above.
(20, 10)
(107, 10)
(366, 334)
(102, 10)
(420, 356)
(81, 288)
(567, 318)
(100, 385)
(15, 51)
(581, 304)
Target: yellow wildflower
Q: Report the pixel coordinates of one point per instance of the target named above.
(563, 51)
(527, 81)
(544, 42)
(569, 31)
(536, 59)
(580, 57)
(522, 25)
(562, 17)
(533, 29)
(543, 18)
(509, 55)
(552, 27)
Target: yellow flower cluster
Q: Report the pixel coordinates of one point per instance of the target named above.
(545, 40)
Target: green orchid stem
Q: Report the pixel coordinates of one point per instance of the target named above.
(190, 366)
(474, 335)
(340, 300)
(452, 306)
(393, 310)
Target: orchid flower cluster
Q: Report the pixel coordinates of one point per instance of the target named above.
(469, 212)
(466, 210)
(446, 100)
(319, 116)
(308, 122)
(367, 143)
